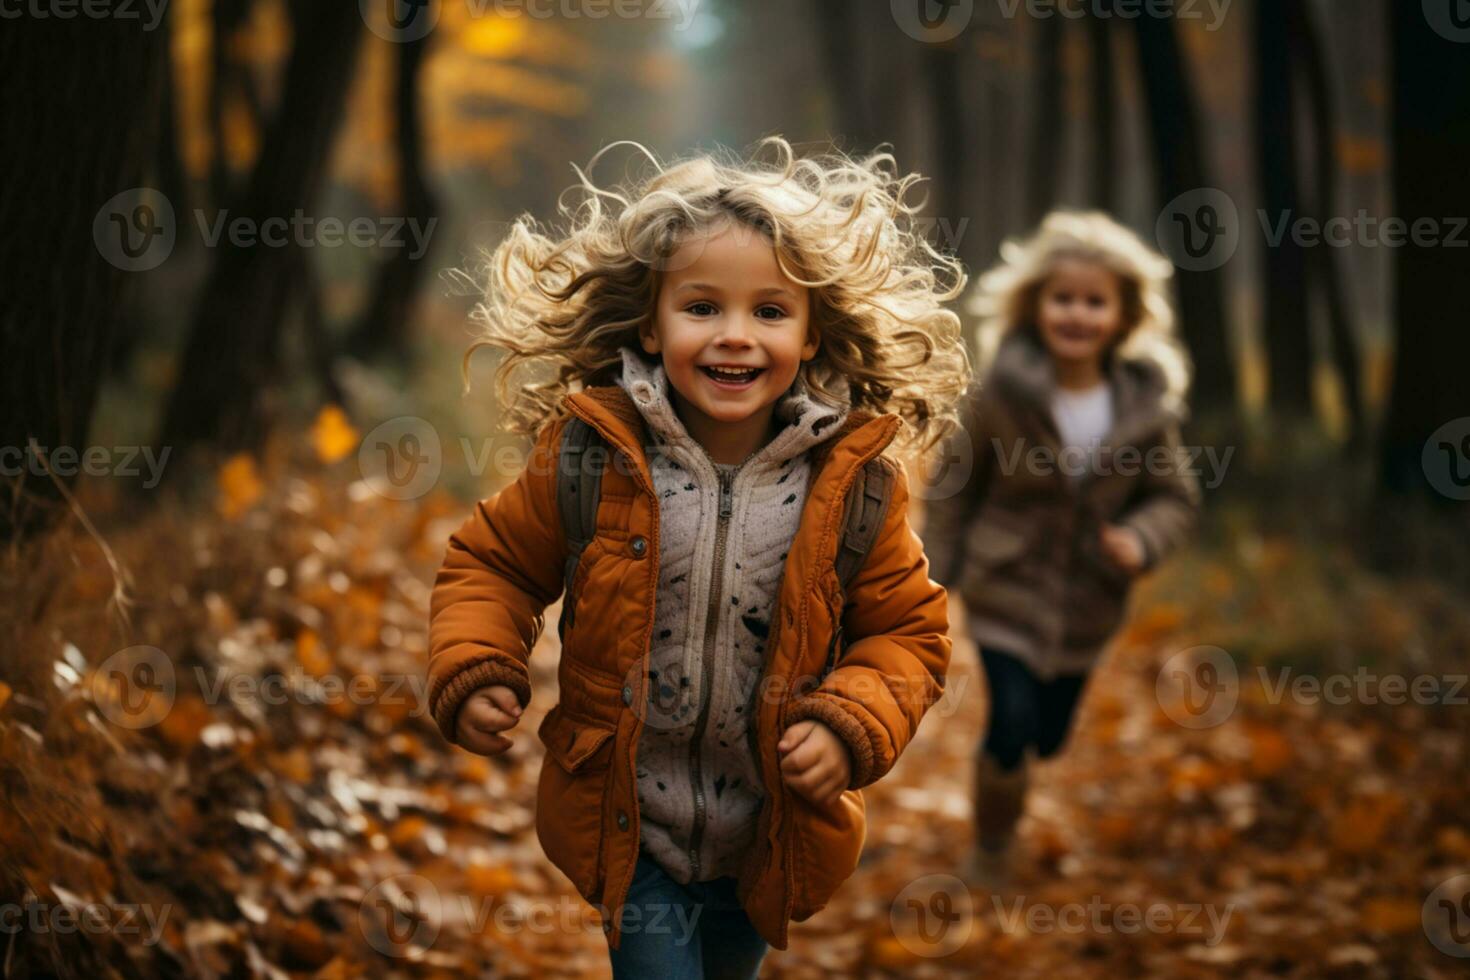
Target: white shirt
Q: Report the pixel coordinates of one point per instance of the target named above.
(1084, 417)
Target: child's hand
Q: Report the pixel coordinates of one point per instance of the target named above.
(483, 715)
(815, 762)
(1123, 547)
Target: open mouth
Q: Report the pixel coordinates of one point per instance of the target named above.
(732, 377)
(1071, 332)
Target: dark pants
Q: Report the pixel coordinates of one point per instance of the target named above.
(698, 930)
(1026, 711)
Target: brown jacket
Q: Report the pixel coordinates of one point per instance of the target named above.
(504, 566)
(1018, 540)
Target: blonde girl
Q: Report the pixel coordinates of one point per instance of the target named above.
(746, 336)
(1066, 483)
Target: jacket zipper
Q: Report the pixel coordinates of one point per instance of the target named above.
(696, 775)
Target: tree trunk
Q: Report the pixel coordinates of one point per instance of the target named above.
(1102, 188)
(79, 128)
(839, 28)
(230, 362)
(1284, 322)
(1431, 145)
(1323, 262)
(383, 328)
(1048, 122)
(1179, 160)
(941, 63)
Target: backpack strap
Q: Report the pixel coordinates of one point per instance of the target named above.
(867, 507)
(578, 489)
(583, 456)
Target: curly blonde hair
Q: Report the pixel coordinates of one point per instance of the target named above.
(839, 226)
(1006, 296)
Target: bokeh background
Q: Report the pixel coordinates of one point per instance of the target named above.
(230, 240)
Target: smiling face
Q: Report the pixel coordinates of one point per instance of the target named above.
(732, 330)
(1079, 311)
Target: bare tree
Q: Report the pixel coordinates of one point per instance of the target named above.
(1431, 144)
(1179, 161)
(1284, 261)
(1102, 188)
(1325, 268)
(386, 316)
(1044, 143)
(82, 133)
(230, 362)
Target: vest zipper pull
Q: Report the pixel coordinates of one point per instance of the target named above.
(727, 506)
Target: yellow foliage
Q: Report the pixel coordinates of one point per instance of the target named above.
(495, 37)
(332, 436)
(240, 485)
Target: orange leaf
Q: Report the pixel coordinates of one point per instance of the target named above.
(1361, 827)
(309, 652)
(332, 435)
(239, 485)
(1391, 915)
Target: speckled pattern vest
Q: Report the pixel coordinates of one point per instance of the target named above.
(724, 531)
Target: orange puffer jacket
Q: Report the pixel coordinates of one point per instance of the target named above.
(505, 566)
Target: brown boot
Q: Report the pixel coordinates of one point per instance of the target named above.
(1000, 799)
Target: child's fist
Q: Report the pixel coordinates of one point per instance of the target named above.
(814, 761)
(485, 714)
(1123, 547)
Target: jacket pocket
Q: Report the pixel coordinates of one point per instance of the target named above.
(825, 846)
(571, 796)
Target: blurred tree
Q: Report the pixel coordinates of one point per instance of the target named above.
(950, 151)
(384, 323)
(848, 33)
(1321, 113)
(1102, 190)
(83, 131)
(1431, 144)
(1284, 322)
(231, 87)
(1180, 168)
(230, 363)
(1048, 122)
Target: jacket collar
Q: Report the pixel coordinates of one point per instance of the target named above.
(860, 435)
(1023, 369)
(807, 419)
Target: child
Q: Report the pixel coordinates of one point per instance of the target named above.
(1075, 488)
(747, 336)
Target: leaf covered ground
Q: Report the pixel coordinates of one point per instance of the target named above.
(268, 799)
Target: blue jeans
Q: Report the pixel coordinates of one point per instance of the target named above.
(684, 932)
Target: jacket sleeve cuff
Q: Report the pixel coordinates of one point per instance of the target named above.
(445, 702)
(828, 710)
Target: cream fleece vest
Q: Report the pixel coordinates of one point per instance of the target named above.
(724, 531)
